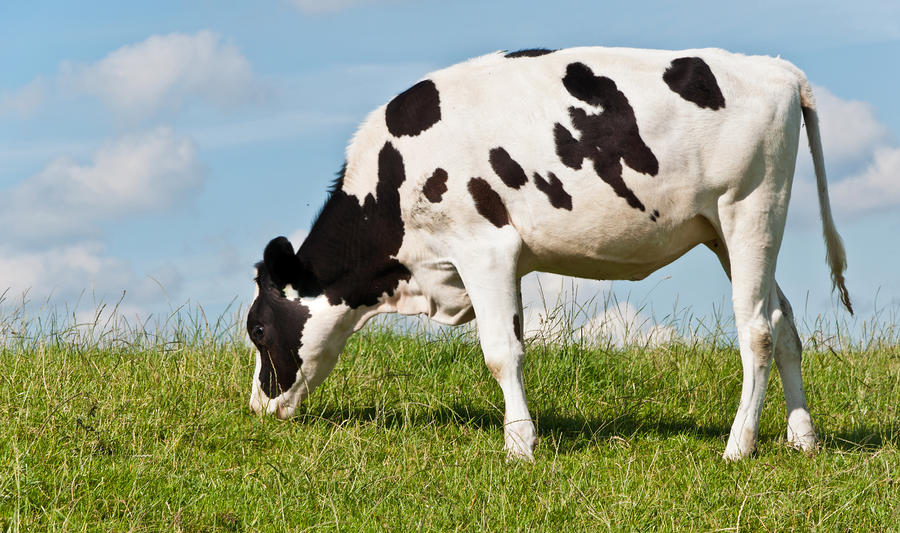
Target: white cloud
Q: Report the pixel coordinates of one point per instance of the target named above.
(875, 188)
(23, 101)
(65, 272)
(165, 72)
(862, 159)
(562, 308)
(55, 269)
(622, 325)
(134, 174)
(539, 288)
(84, 278)
(850, 128)
(554, 305)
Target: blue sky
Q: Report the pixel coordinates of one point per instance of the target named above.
(156, 149)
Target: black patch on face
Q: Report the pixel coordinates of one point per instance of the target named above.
(349, 250)
(510, 172)
(607, 138)
(517, 327)
(435, 186)
(529, 52)
(275, 325)
(414, 110)
(691, 79)
(553, 188)
(488, 203)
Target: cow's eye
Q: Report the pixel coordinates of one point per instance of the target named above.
(258, 333)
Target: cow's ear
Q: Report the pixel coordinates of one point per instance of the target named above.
(285, 267)
(281, 261)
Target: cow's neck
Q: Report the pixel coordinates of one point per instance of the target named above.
(353, 243)
(351, 247)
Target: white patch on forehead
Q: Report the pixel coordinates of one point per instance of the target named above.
(290, 293)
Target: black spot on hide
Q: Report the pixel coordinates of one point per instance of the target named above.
(435, 186)
(351, 247)
(553, 188)
(510, 172)
(488, 203)
(517, 327)
(529, 52)
(608, 137)
(414, 110)
(275, 325)
(691, 78)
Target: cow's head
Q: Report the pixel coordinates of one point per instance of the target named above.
(298, 334)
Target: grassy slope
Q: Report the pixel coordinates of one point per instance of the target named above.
(406, 434)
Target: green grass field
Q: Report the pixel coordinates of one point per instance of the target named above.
(138, 433)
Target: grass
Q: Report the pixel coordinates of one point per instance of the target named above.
(135, 431)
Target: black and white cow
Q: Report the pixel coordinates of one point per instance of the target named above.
(591, 162)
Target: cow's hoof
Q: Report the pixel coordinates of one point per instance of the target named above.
(805, 442)
(736, 452)
(734, 455)
(520, 441)
(800, 432)
(517, 456)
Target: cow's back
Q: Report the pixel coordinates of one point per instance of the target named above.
(609, 162)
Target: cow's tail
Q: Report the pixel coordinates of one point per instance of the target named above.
(834, 246)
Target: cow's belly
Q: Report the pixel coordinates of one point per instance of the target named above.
(604, 251)
(631, 250)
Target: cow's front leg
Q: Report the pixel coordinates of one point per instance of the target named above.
(503, 355)
(493, 286)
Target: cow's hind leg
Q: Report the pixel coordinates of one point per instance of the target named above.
(752, 293)
(788, 356)
(751, 229)
(493, 286)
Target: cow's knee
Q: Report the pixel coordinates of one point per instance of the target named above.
(505, 363)
(762, 346)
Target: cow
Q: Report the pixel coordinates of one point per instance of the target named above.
(600, 163)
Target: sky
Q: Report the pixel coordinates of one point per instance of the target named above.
(152, 150)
